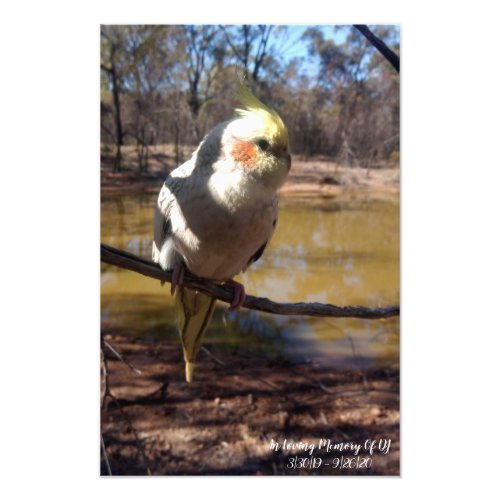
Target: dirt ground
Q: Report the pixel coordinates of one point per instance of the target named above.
(317, 176)
(225, 421)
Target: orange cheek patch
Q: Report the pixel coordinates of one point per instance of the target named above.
(244, 152)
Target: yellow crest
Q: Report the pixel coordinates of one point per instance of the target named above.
(272, 123)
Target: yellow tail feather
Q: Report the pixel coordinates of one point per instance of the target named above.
(193, 312)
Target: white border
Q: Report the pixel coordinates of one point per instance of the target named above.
(50, 228)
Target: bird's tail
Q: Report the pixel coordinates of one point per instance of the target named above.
(193, 311)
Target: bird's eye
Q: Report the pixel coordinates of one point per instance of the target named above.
(263, 144)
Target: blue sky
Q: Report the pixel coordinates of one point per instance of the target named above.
(292, 45)
(295, 47)
(299, 48)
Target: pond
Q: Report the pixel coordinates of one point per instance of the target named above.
(342, 250)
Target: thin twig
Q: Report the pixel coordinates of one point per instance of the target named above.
(223, 293)
(121, 358)
(134, 431)
(109, 394)
(105, 375)
(216, 359)
(103, 446)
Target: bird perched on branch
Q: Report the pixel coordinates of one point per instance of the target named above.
(217, 212)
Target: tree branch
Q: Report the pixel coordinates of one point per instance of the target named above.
(233, 48)
(391, 56)
(105, 68)
(223, 293)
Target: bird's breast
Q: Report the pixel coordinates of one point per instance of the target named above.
(218, 232)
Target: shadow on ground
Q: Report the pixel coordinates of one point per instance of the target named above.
(224, 422)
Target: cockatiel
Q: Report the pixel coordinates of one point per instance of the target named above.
(217, 212)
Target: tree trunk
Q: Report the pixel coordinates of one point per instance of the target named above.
(118, 120)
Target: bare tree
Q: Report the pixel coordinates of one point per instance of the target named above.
(249, 45)
(111, 54)
(170, 84)
(199, 45)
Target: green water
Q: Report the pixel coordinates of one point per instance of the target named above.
(339, 250)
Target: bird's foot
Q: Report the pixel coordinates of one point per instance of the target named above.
(239, 294)
(177, 276)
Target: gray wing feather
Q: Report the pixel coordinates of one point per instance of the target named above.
(163, 248)
(258, 254)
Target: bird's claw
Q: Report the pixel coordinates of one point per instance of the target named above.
(239, 290)
(239, 294)
(177, 276)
